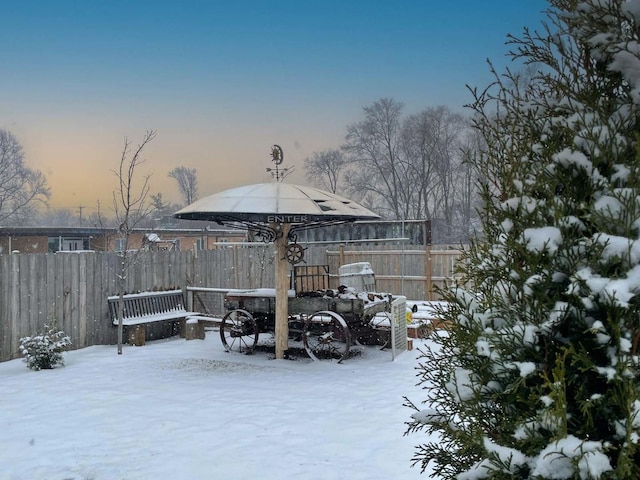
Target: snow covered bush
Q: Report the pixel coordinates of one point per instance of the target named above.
(538, 379)
(44, 351)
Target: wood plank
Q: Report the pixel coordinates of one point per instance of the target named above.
(5, 325)
(14, 305)
(80, 323)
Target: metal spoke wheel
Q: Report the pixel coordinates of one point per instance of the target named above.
(294, 253)
(239, 332)
(381, 324)
(326, 336)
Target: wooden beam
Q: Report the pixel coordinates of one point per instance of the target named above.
(282, 290)
(428, 267)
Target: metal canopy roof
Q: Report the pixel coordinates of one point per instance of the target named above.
(304, 207)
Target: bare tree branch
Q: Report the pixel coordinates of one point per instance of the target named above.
(21, 189)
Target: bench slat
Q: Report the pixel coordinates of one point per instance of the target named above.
(158, 317)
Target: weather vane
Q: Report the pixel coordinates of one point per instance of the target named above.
(277, 157)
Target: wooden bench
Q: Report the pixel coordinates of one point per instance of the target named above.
(146, 308)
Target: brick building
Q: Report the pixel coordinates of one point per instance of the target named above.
(54, 239)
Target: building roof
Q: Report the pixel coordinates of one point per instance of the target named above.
(88, 231)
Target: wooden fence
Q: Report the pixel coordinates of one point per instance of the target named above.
(413, 271)
(72, 288)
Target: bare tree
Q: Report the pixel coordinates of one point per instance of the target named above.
(187, 183)
(446, 131)
(468, 194)
(375, 155)
(413, 167)
(59, 217)
(131, 207)
(405, 168)
(325, 168)
(417, 146)
(21, 189)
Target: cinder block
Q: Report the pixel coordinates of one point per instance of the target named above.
(136, 335)
(194, 330)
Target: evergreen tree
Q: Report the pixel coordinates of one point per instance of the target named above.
(44, 351)
(538, 377)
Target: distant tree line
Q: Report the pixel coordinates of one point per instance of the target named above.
(405, 166)
(24, 195)
(409, 167)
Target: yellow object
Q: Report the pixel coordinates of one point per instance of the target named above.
(409, 316)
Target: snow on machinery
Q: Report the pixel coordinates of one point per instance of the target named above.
(326, 321)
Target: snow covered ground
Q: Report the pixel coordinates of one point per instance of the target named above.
(188, 410)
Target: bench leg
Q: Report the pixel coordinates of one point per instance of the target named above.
(136, 335)
(182, 328)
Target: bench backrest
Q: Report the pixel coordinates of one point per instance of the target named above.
(147, 303)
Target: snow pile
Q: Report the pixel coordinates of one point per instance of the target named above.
(557, 459)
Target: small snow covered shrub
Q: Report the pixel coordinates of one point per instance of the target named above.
(44, 350)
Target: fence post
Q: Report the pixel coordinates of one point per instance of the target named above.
(428, 272)
(189, 300)
(235, 266)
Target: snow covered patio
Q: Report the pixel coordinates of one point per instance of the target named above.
(176, 409)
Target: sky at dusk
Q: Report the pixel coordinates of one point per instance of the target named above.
(222, 81)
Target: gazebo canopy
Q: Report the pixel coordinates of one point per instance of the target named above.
(303, 207)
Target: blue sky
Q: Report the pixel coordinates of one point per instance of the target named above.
(223, 81)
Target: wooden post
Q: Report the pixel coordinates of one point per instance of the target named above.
(428, 272)
(235, 267)
(282, 290)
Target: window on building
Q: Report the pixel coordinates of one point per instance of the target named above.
(72, 244)
(67, 244)
(120, 244)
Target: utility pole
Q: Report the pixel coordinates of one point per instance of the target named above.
(80, 208)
